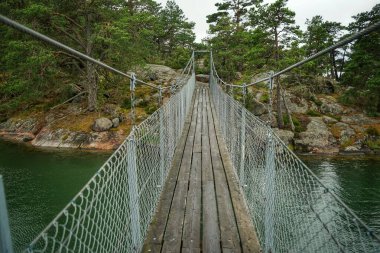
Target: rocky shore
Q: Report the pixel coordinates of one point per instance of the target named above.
(323, 125)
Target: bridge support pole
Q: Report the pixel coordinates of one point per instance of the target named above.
(270, 176)
(242, 140)
(231, 118)
(134, 205)
(270, 180)
(5, 233)
(162, 141)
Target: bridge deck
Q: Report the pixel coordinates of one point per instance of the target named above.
(201, 209)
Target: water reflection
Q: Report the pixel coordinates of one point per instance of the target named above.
(39, 183)
(356, 180)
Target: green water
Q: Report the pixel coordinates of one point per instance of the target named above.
(355, 179)
(40, 182)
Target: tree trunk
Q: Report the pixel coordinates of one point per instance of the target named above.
(342, 64)
(131, 6)
(333, 65)
(92, 85)
(288, 112)
(280, 120)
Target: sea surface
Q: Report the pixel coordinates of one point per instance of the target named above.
(40, 182)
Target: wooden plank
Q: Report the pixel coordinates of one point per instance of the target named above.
(194, 250)
(211, 232)
(154, 239)
(229, 232)
(188, 151)
(248, 237)
(207, 174)
(173, 232)
(192, 228)
(198, 132)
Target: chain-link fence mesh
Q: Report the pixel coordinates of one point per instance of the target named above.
(114, 209)
(290, 208)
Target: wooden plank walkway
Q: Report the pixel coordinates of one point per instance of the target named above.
(201, 208)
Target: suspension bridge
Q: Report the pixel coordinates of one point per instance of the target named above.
(201, 174)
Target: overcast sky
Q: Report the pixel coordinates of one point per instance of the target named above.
(332, 10)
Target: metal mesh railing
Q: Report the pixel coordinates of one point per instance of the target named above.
(114, 209)
(290, 208)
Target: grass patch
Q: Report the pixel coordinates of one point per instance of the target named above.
(335, 131)
(77, 123)
(264, 98)
(372, 131)
(313, 113)
(126, 103)
(337, 117)
(151, 109)
(300, 123)
(316, 101)
(347, 143)
(373, 144)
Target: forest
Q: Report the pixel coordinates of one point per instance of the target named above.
(248, 38)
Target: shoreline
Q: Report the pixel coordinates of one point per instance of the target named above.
(15, 141)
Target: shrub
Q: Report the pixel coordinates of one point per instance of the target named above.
(337, 117)
(316, 100)
(365, 99)
(144, 103)
(313, 113)
(264, 98)
(373, 144)
(372, 131)
(347, 143)
(298, 126)
(126, 103)
(151, 109)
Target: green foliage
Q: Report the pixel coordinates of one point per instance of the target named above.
(316, 100)
(297, 123)
(347, 143)
(151, 109)
(367, 99)
(372, 131)
(337, 117)
(321, 34)
(264, 98)
(121, 33)
(313, 113)
(373, 144)
(127, 103)
(362, 71)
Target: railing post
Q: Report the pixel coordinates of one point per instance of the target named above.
(171, 122)
(242, 140)
(211, 76)
(231, 118)
(5, 233)
(132, 88)
(193, 62)
(162, 141)
(270, 179)
(134, 206)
